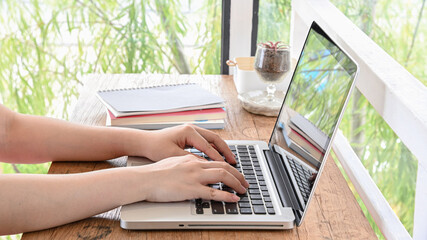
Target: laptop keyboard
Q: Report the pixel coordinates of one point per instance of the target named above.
(302, 176)
(255, 201)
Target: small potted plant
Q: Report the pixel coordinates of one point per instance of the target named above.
(272, 63)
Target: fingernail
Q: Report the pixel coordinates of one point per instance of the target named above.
(243, 189)
(235, 198)
(246, 184)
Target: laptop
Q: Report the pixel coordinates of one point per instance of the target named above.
(283, 173)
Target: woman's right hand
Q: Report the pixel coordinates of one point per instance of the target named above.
(185, 177)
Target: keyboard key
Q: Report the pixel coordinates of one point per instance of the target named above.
(255, 197)
(193, 150)
(199, 210)
(269, 204)
(265, 194)
(244, 205)
(198, 203)
(271, 211)
(247, 167)
(261, 178)
(267, 199)
(245, 211)
(253, 186)
(232, 147)
(252, 181)
(231, 208)
(250, 176)
(264, 188)
(259, 209)
(254, 191)
(244, 162)
(262, 183)
(206, 205)
(217, 207)
(257, 202)
(244, 199)
(258, 173)
(249, 172)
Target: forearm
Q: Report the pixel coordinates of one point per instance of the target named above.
(34, 202)
(39, 139)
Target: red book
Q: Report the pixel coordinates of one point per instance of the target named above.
(192, 115)
(305, 144)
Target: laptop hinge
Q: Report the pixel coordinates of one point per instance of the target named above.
(283, 183)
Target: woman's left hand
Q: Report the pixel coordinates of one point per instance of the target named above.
(171, 142)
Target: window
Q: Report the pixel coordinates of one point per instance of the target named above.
(47, 46)
(274, 20)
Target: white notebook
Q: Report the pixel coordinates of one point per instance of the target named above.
(161, 99)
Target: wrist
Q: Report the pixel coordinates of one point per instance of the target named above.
(136, 183)
(132, 142)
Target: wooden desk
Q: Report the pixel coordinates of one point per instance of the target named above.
(333, 213)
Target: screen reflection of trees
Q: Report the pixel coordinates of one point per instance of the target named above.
(320, 87)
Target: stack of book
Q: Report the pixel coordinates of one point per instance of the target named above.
(163, 106)
(305, 138)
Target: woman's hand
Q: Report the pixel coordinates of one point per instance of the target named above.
(171, 142)
(186, 177)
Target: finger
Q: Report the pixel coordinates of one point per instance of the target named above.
(198, 141)
(229, 168)
(218, 195)
(214, 175)
(219, 143)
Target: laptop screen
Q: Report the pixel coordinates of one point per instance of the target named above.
(314, 102)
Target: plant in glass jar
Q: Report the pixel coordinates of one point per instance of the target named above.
(272, 63)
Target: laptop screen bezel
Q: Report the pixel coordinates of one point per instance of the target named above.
(314, 26)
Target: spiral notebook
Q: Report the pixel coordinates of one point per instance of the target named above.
(160, 99)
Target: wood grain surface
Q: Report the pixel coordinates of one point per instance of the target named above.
(333, 213)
